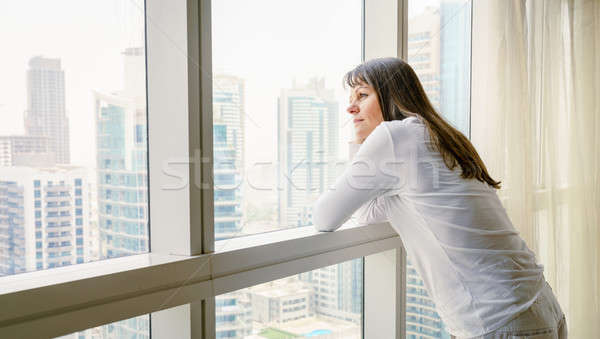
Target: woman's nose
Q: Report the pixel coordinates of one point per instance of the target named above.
(352, 109)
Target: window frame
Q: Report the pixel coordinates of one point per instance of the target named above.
(185, 269)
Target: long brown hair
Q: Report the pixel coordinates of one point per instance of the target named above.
(401, 95)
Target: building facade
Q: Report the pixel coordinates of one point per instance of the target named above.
(122, 177)
(455, 58)
(282, 301)
(307, 149)
(228, 151)
(121, 156)
(43, 215)
(233, 315)
(46, 113)
(25, 150)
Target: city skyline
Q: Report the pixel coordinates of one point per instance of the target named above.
(117, 197)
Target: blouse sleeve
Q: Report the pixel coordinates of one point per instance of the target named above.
(365, 179)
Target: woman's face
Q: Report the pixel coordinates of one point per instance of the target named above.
(365, 109)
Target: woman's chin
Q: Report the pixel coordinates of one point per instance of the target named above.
(363, 134)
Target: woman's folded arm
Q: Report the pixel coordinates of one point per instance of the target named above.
(356, 191)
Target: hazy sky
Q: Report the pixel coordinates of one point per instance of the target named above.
(88, 37)
(310, 38)
(307, 38)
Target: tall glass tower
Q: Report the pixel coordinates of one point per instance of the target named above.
(122, 178)
(46, 114)
(422, 319)
(307, 140)
(121, 165)
(233, 312)
(455, 58)
(228, 148)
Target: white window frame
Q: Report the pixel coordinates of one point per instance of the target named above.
(185, 269)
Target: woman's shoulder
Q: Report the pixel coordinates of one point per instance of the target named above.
(409, 121)
(410, 125)
(396, 131)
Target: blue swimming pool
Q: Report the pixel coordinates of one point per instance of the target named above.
(317, 332)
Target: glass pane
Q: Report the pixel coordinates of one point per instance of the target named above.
(323, 303)
(73, 177)
(439, 50)
(279, 108)
(133, 328)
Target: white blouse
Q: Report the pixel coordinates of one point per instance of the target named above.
(475, 266)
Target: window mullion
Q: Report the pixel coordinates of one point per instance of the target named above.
(180, 150)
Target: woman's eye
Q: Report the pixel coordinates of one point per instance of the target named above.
(361, 94)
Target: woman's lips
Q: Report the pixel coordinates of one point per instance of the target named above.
(358, 120)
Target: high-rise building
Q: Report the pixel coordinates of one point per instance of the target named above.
(43, 215)
(307, 149)
(233, 315)
(122, 176)
(46, 113)
(422, 319)
(455, 57)
(25, 150)
(92, 237)
(338, 290)
(424, 51)
(121, 151)
(228, 152)
(307, 140)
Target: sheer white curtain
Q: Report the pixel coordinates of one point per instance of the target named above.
(535, 119)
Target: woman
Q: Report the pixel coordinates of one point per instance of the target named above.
(416, 171)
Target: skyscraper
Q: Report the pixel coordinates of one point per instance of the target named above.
(424, 51)
(122, 176)
(233, 315)
(307, 148)
(44, 207)
(422, 319)
(455, 57)
(46, 113)
(43, 213)
(228, 151)
(233, 312)
(121, 163)
(25, 150)
(307, 140)
(338, 290)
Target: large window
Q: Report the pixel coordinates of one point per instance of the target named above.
(73, 183)
(129, 87)
(280, 126)
(439, 50)
(317, 303)
(73, 146)
(279, 108)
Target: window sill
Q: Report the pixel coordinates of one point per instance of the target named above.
(52, 301)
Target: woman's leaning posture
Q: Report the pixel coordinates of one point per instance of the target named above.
(411, 168)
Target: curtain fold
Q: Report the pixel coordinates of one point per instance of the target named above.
(535, 119)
